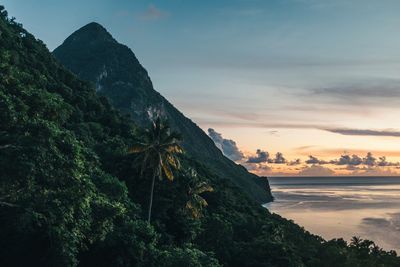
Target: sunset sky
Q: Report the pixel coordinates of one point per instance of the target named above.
(300, 77)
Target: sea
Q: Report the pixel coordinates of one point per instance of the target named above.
(341, 207)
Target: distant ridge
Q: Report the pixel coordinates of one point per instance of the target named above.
(94, 55)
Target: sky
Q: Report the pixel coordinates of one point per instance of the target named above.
(297, 78)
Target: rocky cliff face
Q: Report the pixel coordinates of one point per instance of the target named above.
(94, 55)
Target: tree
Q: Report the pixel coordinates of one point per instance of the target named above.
(160, 148)
(196, 202)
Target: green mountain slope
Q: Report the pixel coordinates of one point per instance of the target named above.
(70, 195)
(94, 55)
(67, 185)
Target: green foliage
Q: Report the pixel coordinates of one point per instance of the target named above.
(186, 256)
(196, 202)
(132, 243)
(71, 194)
(55, 199)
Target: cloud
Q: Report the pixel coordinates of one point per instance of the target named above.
(352, 168)
(315, 160)
(237, 124)
(335, 129)
(316, 170)
(353, 160)
(261, 156)
(373, 171)
(361, 92)
(294, 162)
(216, 137)
(231, 150)
(279, 159)
(369, 160)
(153, 13)
(384, 163)
(310, 150)
(261, 169)
(262, 164)
(264, 168)
(364, 132)
(227, 146)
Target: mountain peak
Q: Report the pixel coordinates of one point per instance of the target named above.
(90, 33)
(93, 27)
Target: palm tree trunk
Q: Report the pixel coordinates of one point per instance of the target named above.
(151, 196)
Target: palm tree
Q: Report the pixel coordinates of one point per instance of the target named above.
(160, 148)
(196, 202)
(356, 241)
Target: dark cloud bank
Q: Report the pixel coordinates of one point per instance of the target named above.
(227, 146)
(354, 160)
(363, 132)
(231, 150)
(261, 158)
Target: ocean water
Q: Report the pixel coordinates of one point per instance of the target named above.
(333, 207)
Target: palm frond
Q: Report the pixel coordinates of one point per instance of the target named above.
(202, 202)
(173, 161)
(204, 187)
(173, 148)
(168, 172)
(137, 148)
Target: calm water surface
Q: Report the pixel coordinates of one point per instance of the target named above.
(342, 206)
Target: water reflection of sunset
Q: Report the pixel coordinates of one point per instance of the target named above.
(360, 207)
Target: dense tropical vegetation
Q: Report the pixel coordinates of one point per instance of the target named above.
(72, 194)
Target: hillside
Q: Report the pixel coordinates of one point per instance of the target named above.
(71, 195)
(94, 55)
